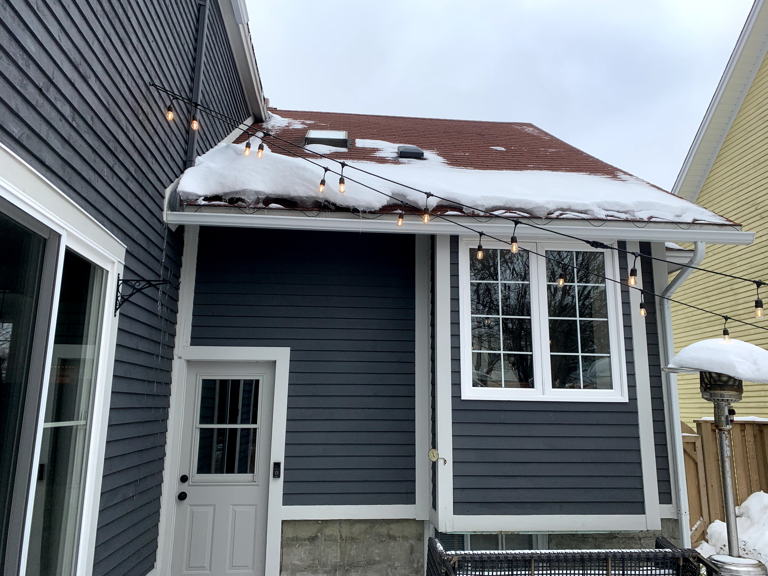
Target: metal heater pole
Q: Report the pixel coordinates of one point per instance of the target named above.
(723, 423)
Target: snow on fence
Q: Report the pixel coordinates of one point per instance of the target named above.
(702, 468)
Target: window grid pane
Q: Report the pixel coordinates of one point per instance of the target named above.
(578, 321)
(501, 320)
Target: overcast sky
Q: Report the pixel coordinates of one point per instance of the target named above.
(627, 81)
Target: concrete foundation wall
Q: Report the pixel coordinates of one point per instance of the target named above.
(352, 548)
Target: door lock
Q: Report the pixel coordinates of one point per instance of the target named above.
(182, 496)
(184, 479)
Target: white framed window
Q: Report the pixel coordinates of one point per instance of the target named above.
(535, 328)
(60, 310)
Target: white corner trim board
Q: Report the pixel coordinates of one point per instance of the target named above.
(644, 405)
(422, 372)
(443, 386)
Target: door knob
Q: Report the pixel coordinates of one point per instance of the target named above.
(182, 496)
(183, 478)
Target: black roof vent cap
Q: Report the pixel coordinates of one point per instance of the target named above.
(408, 151)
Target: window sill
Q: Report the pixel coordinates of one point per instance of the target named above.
(522, 395)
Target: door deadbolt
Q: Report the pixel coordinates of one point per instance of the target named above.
(182, 496)
(184, 479)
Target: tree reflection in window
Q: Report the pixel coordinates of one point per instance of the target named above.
(500, 305)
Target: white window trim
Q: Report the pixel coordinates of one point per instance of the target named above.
(32, 193)
(543, 391)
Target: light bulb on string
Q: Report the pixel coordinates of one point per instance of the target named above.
(426, 217)
(514, 247)
(726, 332)
(342, 182)
(400, 219)
(561, 279)
(480, 253)
(247, 150)
(632, 279)
(260, 150)
(643, 309)
(195, 123)
(321, 186)
(169, 115)
(759, 311)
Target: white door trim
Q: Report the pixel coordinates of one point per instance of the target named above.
(421, 380)
(281, 359)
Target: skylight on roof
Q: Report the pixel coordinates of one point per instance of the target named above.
(337, 138)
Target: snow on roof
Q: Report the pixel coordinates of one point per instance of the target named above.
(526, 172)
(734, 357)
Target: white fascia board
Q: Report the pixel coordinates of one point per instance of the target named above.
(235, 16)
(588, 523)
(588, 229)
(737, 78)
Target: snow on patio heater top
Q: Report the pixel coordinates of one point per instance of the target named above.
(723, 364)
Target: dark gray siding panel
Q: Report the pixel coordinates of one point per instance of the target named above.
(75, 104)
(657, 385)
(520, 458)
(344, 304)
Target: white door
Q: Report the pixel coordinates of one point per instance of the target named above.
(221, 499)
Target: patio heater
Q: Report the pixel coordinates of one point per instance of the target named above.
(723, 390)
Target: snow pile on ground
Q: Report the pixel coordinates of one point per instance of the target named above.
(752, 524)
(226, 173)
(736, 358)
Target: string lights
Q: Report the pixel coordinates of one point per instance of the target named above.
(514, 247)
(342, 182)
(426, 215)
(321, 186)
(247, 150)
(260, 150)
(726, 332)
(632, 279)
(169, 115)
(480, 253)
(643, 309)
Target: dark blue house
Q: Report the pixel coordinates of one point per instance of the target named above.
(210, 364)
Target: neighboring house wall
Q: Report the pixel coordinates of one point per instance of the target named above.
(344, 304)
(735, 188)
(75, 104)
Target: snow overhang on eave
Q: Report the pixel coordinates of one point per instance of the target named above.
(602, 230)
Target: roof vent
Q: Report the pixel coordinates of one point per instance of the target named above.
(407, 151)
(336, 138)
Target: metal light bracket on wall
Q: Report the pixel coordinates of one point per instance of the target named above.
(134, 287)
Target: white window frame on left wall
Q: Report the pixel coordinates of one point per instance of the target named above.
(29, 191)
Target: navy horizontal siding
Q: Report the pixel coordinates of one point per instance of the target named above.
(535, 458)
(76, 105)
(344, 304)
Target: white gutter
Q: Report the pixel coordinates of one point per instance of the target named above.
(667, 352)
(586, 229)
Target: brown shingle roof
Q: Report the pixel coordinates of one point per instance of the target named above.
(462, 143)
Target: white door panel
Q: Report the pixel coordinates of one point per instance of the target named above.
(223, 480)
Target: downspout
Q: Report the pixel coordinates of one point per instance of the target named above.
(197, 80)
(668, 351)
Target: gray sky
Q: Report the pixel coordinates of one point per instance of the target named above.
(627, 81)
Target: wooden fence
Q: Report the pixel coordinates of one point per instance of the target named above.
(702, 469)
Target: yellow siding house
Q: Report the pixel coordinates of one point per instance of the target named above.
(726, 171)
